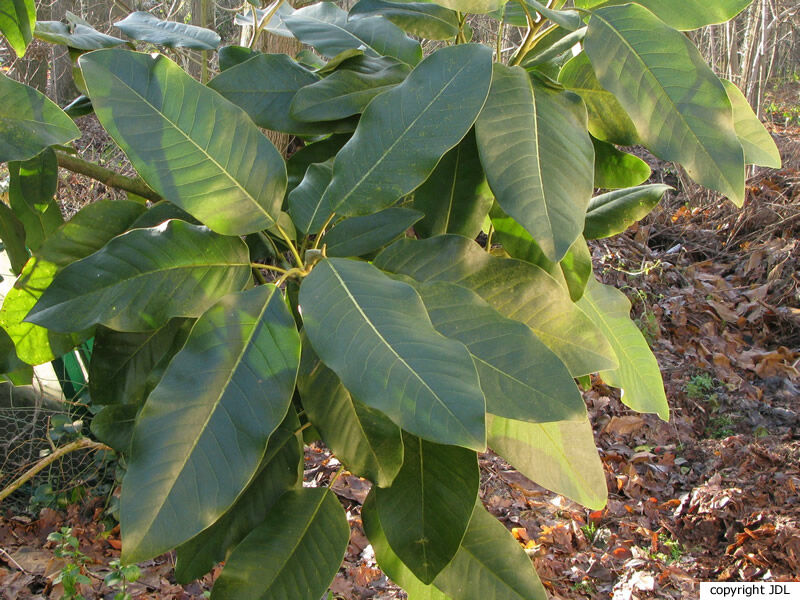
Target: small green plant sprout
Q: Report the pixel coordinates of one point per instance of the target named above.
(119, 578)
(71, 574)
(699, 386)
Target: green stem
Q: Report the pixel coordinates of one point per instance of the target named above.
(499, 50)
(267, 267)
(322, 231)
(298, 259)
(489, 238)
(105, 176)
(530, 37)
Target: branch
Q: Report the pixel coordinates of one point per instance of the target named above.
(105, 176)
(48, 460)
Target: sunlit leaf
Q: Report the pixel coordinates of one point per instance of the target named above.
(375, 334)
(147, 27)
(638, 374)
(204, 429)
(197, 149)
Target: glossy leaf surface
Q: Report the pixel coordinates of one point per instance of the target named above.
(525, 134)
(309, 211)
(204, 429)
(148, 28)
(75, 34)
(125, 367)
(31, 194)
(684, 15)
(363, 438)
(608, 121)
(615, 169)
(426, 510)
(456, 197)
(490, 565)
(520, 377)
(357, 236)
(141, 279)
(30, 122)
(678, 105)
(560, 456)
(17, 19)
(515, 289)
(265, 86)
(375, 334)
(404, 132)
(279, 471)
(325, 27)
(88, 231)
(758, 145)
(198, 150)
(638, 374)
(613, 212)
(423, 19)
(344, 93)
(293, 555)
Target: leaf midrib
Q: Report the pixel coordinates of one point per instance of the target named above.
(201, 431)
(386, 343)
(203, 151)
(402, 135)
(649, 74)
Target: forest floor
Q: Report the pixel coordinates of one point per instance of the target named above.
(711, 495)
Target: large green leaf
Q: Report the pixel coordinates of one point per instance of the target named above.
(293, 555)
(264, 86)
(230, 56)
(638, 374)
(279, 471)
(375, 334)
(204, 429)
(514, 288)
(426, 510)
(12, 234)
(683, 15)
(31, 194)
(678, 105)
(309, 212)
(573, 270)
(344, 93)
(358, 236)
(88, 231)
(146, 27)
(561, 457)
(423, 19)
(9, 361)
(608, 121)
(404, 132)
(75, 34)
(473, 6)
(325, 27)
(758, 145)
(17, 18)
(125, 367)
(520, 377)
(30, 122)
(614, 169)
(388, 560)
(197, 149)
(141, 279)
(113, 425)
(315, 153)
(490, 565)
(456, 197)
(363, 438)
(528, 134)
(613, 212)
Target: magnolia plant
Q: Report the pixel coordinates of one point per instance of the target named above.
(238, 301)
